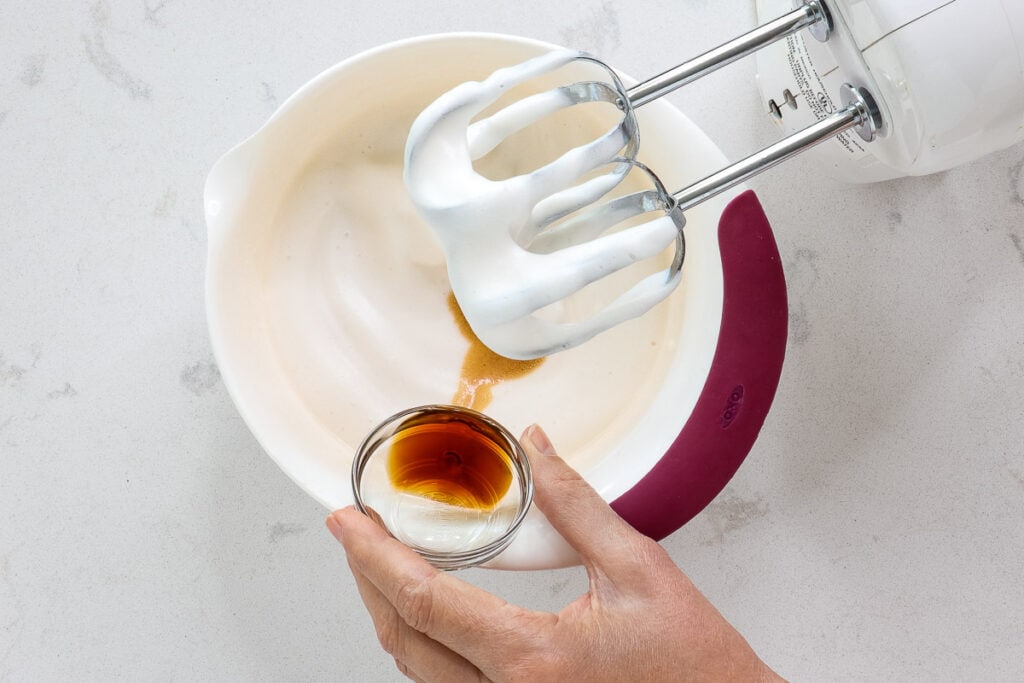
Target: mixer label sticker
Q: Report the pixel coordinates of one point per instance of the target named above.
(813, 89)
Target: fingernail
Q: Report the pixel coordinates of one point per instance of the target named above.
(334, 526)
(540, 440)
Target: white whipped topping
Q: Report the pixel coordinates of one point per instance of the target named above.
(353, 288)
(502, 263)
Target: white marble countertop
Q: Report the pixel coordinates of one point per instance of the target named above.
(875, 532)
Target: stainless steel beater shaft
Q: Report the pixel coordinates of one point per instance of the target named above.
(813, 14)
(860, 111)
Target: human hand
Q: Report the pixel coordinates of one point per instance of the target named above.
(641, 619)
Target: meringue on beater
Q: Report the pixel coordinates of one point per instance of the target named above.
(517, 245)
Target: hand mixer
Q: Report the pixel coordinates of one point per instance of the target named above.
(517, 246)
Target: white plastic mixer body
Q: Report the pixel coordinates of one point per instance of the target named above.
(948, 76)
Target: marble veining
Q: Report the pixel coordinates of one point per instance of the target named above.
(35, 67)
(280, 530)
(200, 377)
(67, 391)
(731, 512)
(895, 219)
(13, 372)
(153, 12)
(268, 96)
(802, 276)
(103, 59)
(10, 373)
(596, 30)
(166, 204)
(1017, 182)
(1018, 244)
(111, 69)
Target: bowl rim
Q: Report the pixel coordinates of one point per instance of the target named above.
(550, 549)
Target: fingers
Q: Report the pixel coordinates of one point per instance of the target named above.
(416, 655)
(480, 627)
(605, 542)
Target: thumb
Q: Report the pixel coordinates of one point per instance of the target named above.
(603, 540)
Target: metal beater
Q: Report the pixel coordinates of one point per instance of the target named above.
(518, 245)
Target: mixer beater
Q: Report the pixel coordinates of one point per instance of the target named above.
(519, 245)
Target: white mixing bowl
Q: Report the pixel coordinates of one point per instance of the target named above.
(326, 299)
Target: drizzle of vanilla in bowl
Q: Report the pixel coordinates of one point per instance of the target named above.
(483, 369)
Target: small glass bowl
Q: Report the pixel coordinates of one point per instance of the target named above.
(449, 482)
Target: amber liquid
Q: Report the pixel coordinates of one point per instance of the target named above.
(450, 462)
(483, 369)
